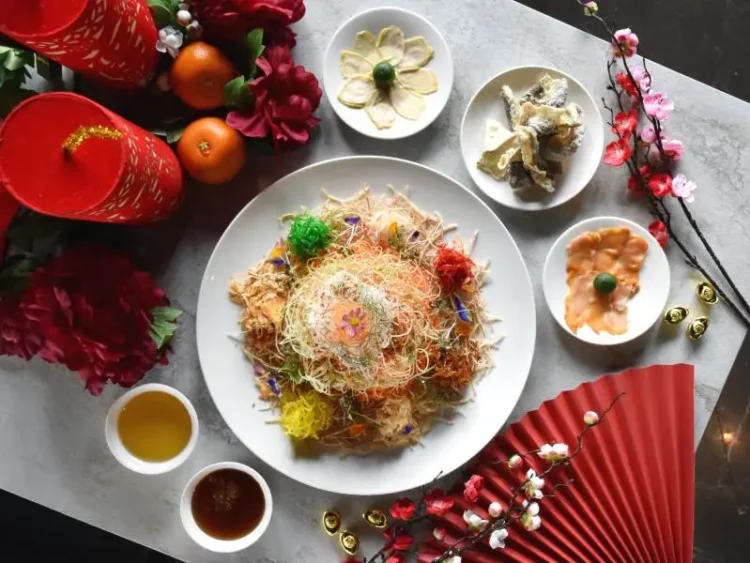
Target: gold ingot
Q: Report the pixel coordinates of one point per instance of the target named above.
(697, 328)
(707, 293)
(675, 315)
(331, 522)
(376, 518)
(349, 542)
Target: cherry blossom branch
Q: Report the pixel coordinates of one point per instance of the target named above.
(518, 512)
(657, 205)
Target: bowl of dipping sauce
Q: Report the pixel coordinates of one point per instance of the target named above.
(226, 507)
(152, 429)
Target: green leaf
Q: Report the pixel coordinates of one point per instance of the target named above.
(233, 91)
(164, 12)
(174, 135)
(254, 42)
(165, 313)
(17, 59)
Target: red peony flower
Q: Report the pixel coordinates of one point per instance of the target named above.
(627, 84)
(403, 509)
(625, 123)
(234, 17)
(19, 335)
(634, 184)
(453, 269)
(617, 152)
(92, 308)
(659, 231)
(660, 184)
(286, 95)
(438, 503)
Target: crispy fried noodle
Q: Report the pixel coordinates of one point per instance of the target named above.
(363, 325)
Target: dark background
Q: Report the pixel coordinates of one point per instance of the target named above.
(708, 40)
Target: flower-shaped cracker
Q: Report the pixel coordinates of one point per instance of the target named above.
(384, 75)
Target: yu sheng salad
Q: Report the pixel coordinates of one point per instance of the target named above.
(364, 325)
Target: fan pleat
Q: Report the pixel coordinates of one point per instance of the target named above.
(633, 492)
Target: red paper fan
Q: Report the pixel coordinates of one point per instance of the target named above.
(632, 499)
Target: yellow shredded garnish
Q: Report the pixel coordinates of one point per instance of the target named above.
(305, 415)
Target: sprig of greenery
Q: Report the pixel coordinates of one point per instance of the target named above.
(163, 326)
(237, 92)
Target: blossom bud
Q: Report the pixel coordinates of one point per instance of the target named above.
(590, 9)
(590, 418)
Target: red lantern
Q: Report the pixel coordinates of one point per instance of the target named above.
(63, 155)
(110, 41)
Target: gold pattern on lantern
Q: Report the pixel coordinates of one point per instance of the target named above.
(77, 137)
(376, 518)
(697, 328)
(707, 293)
(675, 315)
(349, 542)
(331, 522)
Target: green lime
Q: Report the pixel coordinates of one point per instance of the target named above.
(384, 74)
(605, 283)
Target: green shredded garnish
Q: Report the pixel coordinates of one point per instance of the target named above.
(309, 236)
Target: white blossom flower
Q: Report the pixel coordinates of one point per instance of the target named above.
(170, 41)
(590, 418)
(438, 533)
(184, 17)
(531, 519)
(553, 452)
(515, 461)
(497, 539)
(533, 486)
(684, 188)
(495, 509)
(454, 559)
(475, 522)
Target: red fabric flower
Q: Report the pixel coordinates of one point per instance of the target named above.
(617, 152)
(234, 17)
(634, 184)
(625, 123)
(659, 231)
(453, 269)
(19, 335)
(660, 184)
(403, 509)
(627, 84)
(92, 308)
(438, 503)
(286, 95)
(401, 542)
(472, 488)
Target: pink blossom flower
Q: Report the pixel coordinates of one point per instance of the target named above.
(403, 509)
(642, 77)
(684, 188)
(658, 230)
(439, 533)
(673, 148)
(648, 135)
(438, 503)
(634, 184)
(625, 122)
(658, 105)
(626, 42)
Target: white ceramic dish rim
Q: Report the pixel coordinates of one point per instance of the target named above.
(422, 124)
(214, 544)
(385, 160)
(564, 238)
(462, 141)
(129, 460)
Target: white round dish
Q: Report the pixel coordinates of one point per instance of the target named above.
(229, 375)
(579, 168)
(129, 460)
(412, 25)
(644, 309)
(209, 542)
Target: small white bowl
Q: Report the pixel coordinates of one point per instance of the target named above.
(412, 25)
(120, 451)
(644, 309)
(209, 542)
(579, 168)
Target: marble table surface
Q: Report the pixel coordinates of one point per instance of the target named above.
(52, 447)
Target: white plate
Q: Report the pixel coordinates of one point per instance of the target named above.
(373, 21)
(643, 310)
(229, 376)
(579, 167)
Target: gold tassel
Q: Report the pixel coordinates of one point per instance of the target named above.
(84, 132)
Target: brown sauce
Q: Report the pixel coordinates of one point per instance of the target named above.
(228, 504)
